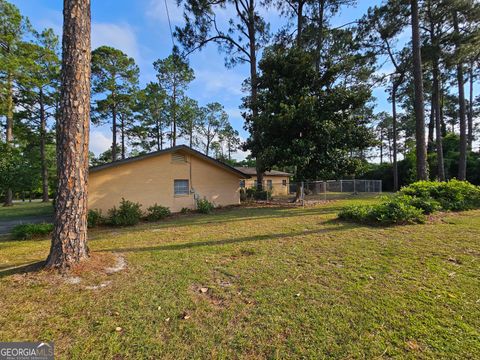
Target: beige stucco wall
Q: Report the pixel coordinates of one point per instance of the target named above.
(150, 181)
(277, 183)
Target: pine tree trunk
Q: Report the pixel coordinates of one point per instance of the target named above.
(174, 118)
(69, 239)
(470, 109)
(319, 39)
(253, 90)
(438, 123)
(9, 130)
(122, 117)
(462, 161)
(381, 146)
(431, 129)
(300, 22)
(436, 100)
(394, 126)
(43, 158)
(114, 133)
(421, 152)
(157, 133)
(442, 113)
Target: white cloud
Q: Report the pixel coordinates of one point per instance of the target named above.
(220, 81)
(120, 36)
(99, 142)
(156, 10)
(54, 20)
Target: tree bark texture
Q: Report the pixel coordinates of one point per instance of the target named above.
(394, 130)
(470, 109)
(43, 157)
(9, 130)
(462, 161)
(421, 150)
(69, 239)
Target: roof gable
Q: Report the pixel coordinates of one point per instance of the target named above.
(253, 172)
(173, 149)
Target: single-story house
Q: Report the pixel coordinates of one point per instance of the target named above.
(278, 182)
(174, 177)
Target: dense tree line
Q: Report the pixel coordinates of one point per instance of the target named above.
(308, 104)
(141, 119)
(448, 41)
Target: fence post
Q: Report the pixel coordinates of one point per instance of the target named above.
(354, 186)
(341, 186)
(325, 190)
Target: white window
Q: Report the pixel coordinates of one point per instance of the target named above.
(181, 187)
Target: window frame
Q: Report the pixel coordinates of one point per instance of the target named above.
(184, 192)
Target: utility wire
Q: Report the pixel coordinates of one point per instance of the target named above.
(169, 23)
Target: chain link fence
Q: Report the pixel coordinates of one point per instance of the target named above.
(311, 191)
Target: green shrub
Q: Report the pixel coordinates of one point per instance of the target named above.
(356, 213)
(393, 211)
(427, 205)
(127, 214)
(454, 195)
(94, 218)
(30, 231)
(250, 193)
(184, 210)
(243, 194)
(262, 195)
(415, 201)
(204, 206)
(396, 211)
(157, 212)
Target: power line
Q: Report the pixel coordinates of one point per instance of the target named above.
(169, 23)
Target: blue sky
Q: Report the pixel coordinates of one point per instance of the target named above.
(140, 29)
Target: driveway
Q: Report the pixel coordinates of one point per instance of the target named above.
(6, 226)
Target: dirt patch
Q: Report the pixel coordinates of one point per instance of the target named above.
(208, 293)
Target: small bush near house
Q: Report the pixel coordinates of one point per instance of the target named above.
(127, 214)
(243, 194)
(184, 210)
(204, 206)
(157, 212)
(250, 193)
(30, 231)
(262, 195)
(393, 211)
(94, 218)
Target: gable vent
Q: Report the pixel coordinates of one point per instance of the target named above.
(179, 158)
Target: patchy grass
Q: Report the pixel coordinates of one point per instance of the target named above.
(26, 209)
(255, 283)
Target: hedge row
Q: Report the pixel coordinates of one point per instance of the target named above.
(414, 202)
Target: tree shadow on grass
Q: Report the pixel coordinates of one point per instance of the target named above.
(230, 215)
(22, 269)
(238, 240)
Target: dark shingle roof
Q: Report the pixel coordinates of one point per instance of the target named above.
(185, 148)
(253, 172)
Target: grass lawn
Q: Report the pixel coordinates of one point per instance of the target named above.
(25, 209)
(282, 283)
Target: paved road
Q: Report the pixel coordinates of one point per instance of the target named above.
(6, 226)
